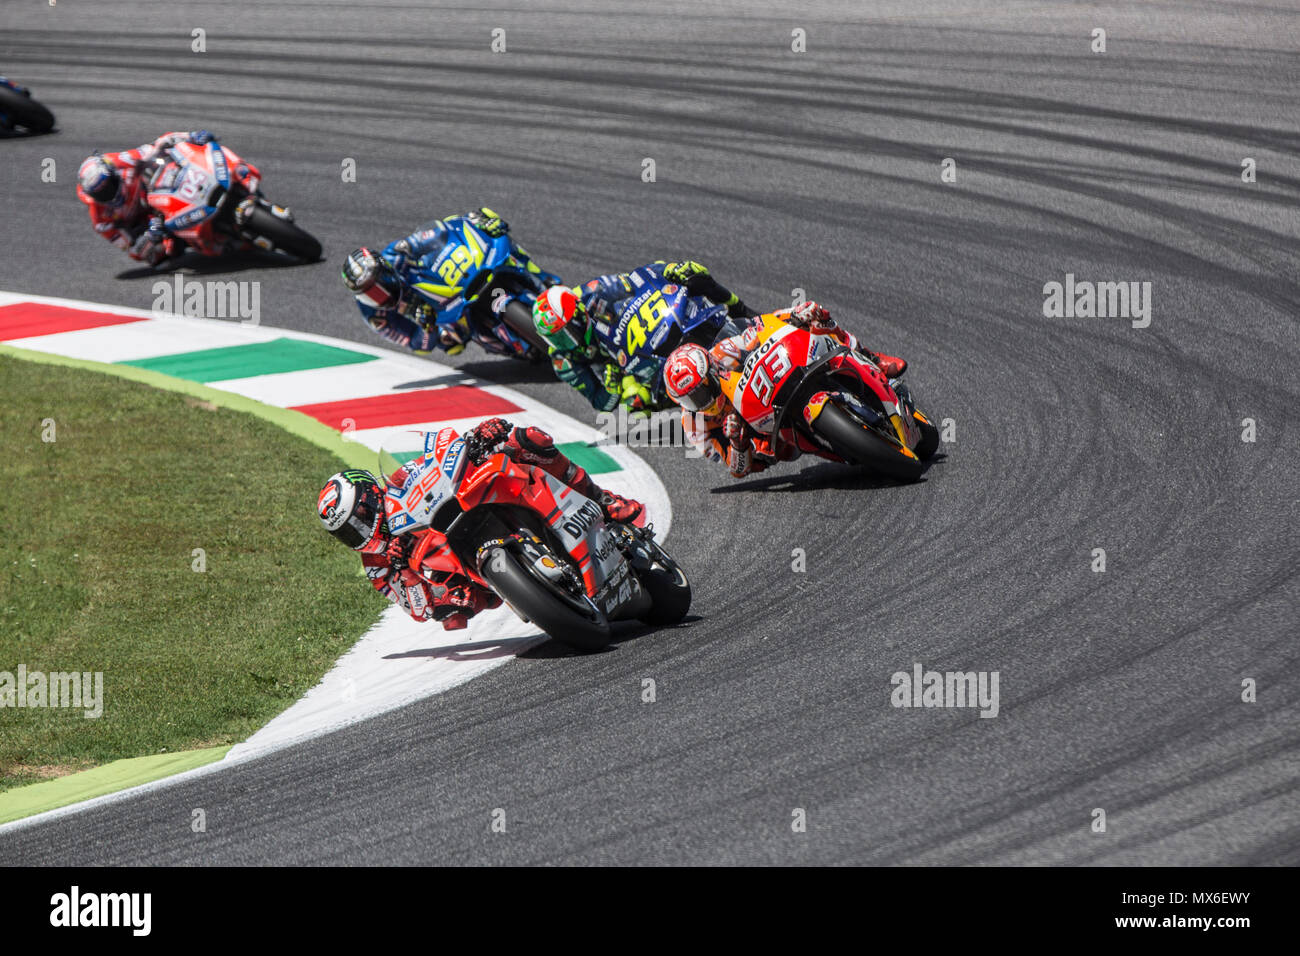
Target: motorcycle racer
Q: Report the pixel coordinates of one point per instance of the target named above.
(532, 446)
(564, 318)
(709, 421)
(380, 283)
(114, 186)
(351, 508)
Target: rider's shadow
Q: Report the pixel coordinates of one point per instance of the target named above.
(194, 264)
(503, 371)
(825, 476)
(624, 632)
(453, 377)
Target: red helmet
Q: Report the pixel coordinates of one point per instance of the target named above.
(561, 320)
(691, 381)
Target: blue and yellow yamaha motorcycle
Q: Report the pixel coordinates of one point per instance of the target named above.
(646, 327)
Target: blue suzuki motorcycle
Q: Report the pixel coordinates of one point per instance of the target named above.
(485, 287)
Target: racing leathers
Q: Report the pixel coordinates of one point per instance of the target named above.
(127, 220)
(449, 598)
(597, 375)
(728, 438)
(453, 598)
(412, 318)
(532, 446)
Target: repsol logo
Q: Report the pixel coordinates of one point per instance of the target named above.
(576, 524)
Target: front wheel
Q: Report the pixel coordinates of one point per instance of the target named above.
(537, 601)
(853, 441)
(24, 111)
(282, 235)
(670, 592)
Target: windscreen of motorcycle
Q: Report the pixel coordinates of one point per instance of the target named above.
(465, 252)
(183, 191)
(764, 372)
(430, 481)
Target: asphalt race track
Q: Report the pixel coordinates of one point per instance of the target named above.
(818, 171)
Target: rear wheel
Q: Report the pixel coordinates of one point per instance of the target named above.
(670, 590)
(519, 319)
(24, 111)
(537, 601)
(283, 235)
(855, 442)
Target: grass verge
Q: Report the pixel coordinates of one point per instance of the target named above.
(99, 570)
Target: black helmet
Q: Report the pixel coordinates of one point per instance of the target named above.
(351, 507)
(371, 277)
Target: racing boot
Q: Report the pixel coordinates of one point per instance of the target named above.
(623, 510)
(534, 446)
(891, 365)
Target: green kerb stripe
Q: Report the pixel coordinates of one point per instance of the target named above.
(244, 361)
(593, 459)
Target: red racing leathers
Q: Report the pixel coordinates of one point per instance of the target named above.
(454, 598)
(450, 598)
(125, 221)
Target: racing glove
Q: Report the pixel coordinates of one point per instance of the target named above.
(733, 427)
(613, 381)
(683, 272)
(402, 248)
(697, 280)
(810, 315)
(395, 555)
(486, 438)
(489, 222)
(201, 137)
(150, 245)
(741, 459)
(634, 396)
(418, 311)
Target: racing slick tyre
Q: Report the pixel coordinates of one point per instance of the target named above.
(519, 318)
(24, 111)
(670, 590)
(929, 442)
(537, 601)
(855, 442)
(284, 235)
